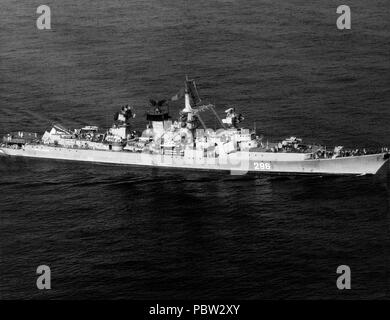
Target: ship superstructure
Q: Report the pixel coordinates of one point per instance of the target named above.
(186, 142)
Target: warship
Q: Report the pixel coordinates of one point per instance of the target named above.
(187, 143)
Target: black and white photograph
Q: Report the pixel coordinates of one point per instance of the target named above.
(208, 152)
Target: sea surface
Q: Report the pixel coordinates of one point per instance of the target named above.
(140, 233)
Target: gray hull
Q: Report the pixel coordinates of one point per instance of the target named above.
(238, 163)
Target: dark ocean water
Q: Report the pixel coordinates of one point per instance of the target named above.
(119, 232)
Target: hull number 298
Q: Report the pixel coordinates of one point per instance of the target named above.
(262, 166)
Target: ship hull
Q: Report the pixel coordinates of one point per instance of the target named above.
(238, 163)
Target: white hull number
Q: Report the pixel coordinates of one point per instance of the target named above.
(259, 166)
